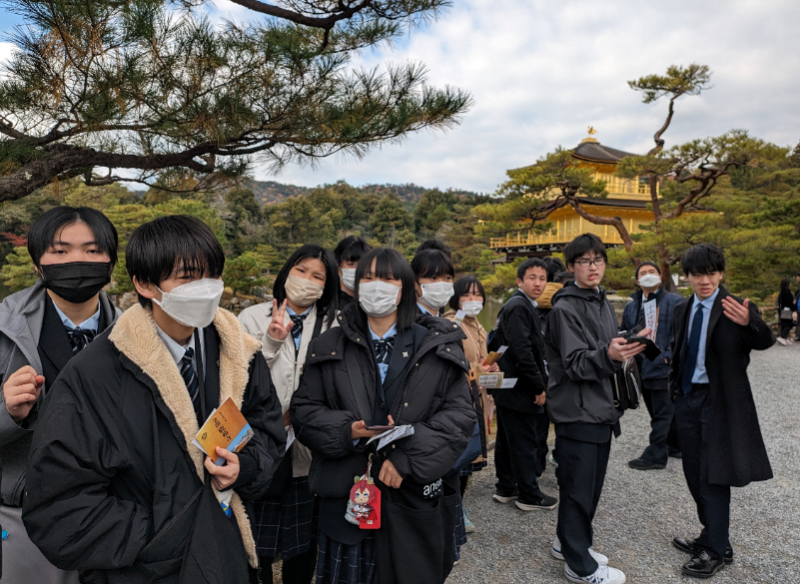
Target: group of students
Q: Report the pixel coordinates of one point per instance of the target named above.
(362, 371)
(695, 386)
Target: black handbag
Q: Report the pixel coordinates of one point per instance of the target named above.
(626, 386)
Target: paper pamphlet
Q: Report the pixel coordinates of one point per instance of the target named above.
(227, 428)
(651, 318)
(490, 380)
(390, 436)
(509, 383)
(494, 356)
(459, 317)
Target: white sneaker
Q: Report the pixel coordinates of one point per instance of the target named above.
(603, 575)
(555, 551)
(782, 341)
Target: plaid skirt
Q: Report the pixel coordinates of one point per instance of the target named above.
(459, 530)
(338, 563)
(286, 525)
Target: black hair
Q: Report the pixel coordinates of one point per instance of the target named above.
(463, 286)
(159, 247)
(527, 265)
(48, 226)
(582, 245)
(564, 277)
(350, 249)
(785, 283)
(435, 244)
(328, 302)
(389, 264)
(432, 263)
(554, 266)
(647, 263)
(703, 258)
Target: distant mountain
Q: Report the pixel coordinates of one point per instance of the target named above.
(269, 192)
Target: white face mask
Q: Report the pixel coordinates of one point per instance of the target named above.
(437, 294)
(378, 298)
(650, 281)
(472, 307)
(193, 304)
(302, 292)
(349, 278)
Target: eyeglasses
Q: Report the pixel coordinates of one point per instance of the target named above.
(585, 262)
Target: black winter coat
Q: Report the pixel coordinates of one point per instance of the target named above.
(434, 397)
(737, 455)
(521, 331)
(112, 462)
(578, 332)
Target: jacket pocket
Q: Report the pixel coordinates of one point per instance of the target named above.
(163, 555)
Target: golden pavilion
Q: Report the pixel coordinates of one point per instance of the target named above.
(626, 199)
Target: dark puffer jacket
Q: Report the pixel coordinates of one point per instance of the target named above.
(656, 371)
(579, 330)
(434, 397)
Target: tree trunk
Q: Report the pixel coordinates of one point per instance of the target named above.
(615, 221)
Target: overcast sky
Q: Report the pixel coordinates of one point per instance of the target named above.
(542, 71)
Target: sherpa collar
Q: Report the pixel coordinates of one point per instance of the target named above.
(135, 336)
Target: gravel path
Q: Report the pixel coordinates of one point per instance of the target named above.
(640, 512)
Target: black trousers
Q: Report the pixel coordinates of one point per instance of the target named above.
(542, 429)
(663, 428)
(581, 472)
(786, 326)
(516, 466)
(693, 415)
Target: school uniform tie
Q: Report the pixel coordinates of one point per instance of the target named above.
(79, 338)
(297, 328)
(694, 348)
(383, 350)
(192, 382)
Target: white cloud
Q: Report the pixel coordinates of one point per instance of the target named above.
(542, 71)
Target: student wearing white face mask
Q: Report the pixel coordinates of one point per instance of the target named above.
(115, 487)
(469, 297)
(304, 306)
(347, 254)
(664, 440)
(384, 365)
(434, 274)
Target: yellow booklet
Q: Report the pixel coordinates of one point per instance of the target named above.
(227, 428)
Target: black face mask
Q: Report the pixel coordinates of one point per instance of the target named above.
(76, 282)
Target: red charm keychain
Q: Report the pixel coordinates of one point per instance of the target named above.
(364, 505)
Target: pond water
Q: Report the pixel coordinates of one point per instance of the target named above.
(488, 315)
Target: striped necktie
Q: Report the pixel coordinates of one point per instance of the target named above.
(79, 338)
(192, 382)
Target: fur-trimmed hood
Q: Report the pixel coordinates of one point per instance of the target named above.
(135, 336)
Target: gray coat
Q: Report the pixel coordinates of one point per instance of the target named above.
(21, 317)
(578, 332)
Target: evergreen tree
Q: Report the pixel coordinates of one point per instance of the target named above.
(137, 86)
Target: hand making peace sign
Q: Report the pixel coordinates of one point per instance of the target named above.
(277, 330)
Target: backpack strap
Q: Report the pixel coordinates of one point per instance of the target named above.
(357, 383)
(317, 325)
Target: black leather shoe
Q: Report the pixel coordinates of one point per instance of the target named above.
(644, 464)
(702, 565)
(689, 546)
(675, 454)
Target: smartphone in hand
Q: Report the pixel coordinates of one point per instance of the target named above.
(380, 428)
